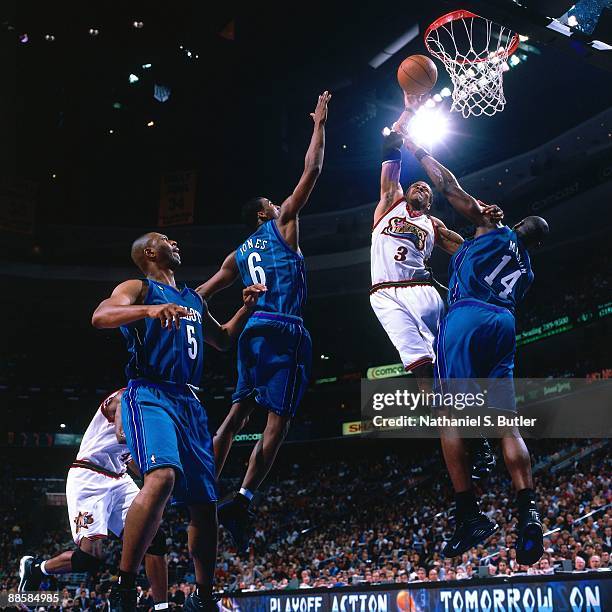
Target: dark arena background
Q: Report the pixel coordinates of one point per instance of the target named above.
(122, 118)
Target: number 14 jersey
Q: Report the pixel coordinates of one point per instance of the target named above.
(494, 268)
(264, 257)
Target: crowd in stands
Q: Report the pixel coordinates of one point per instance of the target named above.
(377, 517)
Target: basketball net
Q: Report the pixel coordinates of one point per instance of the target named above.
(474, 51)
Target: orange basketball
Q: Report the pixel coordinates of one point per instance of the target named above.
(417, 74)
(404, 602)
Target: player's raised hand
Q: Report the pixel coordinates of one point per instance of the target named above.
(168, 314)
(320, 114)
(412, 103)
(493, 211)
(251, 294)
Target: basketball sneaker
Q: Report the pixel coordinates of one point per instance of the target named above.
(196, 603)
(30, 575)
(483, 459)
(469, 532)
(530, 545)
(237, 517)
(122, 600)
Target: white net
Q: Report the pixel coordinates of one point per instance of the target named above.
(474, 51)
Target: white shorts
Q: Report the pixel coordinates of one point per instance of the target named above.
(97, 503)
(410, 316)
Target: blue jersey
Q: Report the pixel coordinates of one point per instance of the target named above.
(171, 355)
(265, 257)
(493, 268)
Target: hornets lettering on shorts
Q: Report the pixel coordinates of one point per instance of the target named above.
(490, 275)
(274, 349)
(165, 424)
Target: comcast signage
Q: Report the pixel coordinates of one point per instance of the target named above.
(386, 371)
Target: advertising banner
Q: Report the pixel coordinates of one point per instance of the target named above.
(578, 594)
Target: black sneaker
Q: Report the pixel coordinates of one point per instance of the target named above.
(530, 545)
(195, 603)
(236, 516)
(483, 459)
(468, 533)
(122, 600)
(30, 575)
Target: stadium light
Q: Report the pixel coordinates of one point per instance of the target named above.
(437, 98)
(515, 60)
(145, 66)
(523, 38)
(386, 131)
(429, 126)
(63, 425)
(572, 21)
(133, 78)
(446, 92)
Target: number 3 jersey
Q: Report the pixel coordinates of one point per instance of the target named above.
(264, 257)
(493, 268)
(402, 241)
(167, 354)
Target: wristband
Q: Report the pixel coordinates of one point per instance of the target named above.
(420, 153)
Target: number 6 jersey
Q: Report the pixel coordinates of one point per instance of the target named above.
(264, 257)
(161, 354)
(402, 241)
(494, 268)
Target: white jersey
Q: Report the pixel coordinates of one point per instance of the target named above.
(100, 447)
(402, 242)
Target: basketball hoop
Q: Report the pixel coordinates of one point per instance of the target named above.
(474, 51)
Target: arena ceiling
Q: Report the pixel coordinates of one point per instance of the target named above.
(241, 82)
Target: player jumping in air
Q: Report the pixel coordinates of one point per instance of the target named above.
(99, 492)
(403, 296)
(490, 275)
(165, 425)
(274, 350)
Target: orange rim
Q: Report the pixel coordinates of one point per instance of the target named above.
(456, 16)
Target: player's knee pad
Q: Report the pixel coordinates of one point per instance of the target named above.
(158, 545)
(84, 562)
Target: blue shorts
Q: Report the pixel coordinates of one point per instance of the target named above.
(477, 340)
(274, 360)
(166, 426)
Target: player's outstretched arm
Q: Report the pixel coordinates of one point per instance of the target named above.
(125, 305)
(444, 181)
(222, 336)
(446, 239)
(223, 278)
(390, 188)
(313, 164)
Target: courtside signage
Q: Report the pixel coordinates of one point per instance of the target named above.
(386, 371)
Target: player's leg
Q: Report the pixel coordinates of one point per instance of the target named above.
(282, 355)
(156, 568)
(530, 546)
(144, 518)
(156, 565)
(456, 345)
(150, 431)
(202, 544)
(87, 558)
(234, 422)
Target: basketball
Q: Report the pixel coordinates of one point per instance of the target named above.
(417, 74)
(404, 602)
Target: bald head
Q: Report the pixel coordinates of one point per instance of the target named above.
(140, 245)
(154, 249)
(532, 231)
